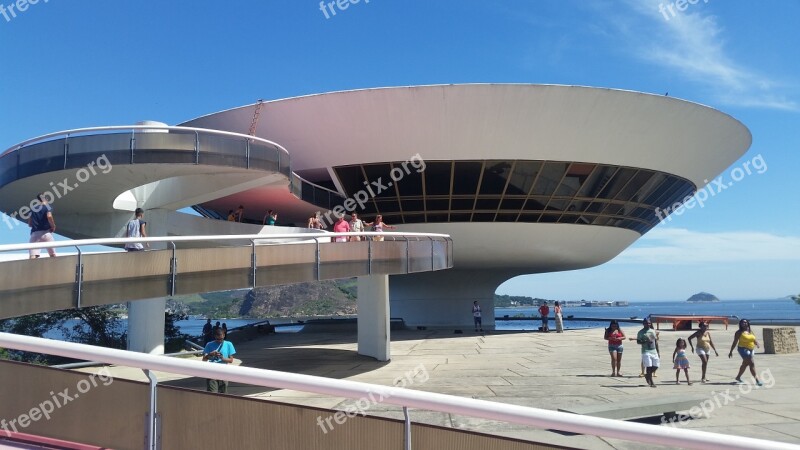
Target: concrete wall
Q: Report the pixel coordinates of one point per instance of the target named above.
(113, 415)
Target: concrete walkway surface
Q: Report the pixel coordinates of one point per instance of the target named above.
(541, 370)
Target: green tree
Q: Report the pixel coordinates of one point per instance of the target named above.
(97, 325)
(173, 338)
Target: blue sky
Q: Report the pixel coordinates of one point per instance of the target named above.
(89, 63)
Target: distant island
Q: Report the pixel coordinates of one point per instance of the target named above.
(703, 297)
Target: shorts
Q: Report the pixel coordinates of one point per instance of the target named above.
(650, 360)
(745, 353)
(40, 236)
(702, 352)
(681, 363)
(341, 239)
(615, 348)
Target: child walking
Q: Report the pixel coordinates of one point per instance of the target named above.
(680, 360)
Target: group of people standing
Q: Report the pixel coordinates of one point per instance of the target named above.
(544, 312)
(355, 225)
(647, 337)
(236, 216)
(270, 218)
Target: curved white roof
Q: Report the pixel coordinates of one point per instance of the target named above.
(497, 121)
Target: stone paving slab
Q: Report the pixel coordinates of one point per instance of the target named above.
(789, 429)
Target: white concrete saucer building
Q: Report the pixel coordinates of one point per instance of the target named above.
(525, 178)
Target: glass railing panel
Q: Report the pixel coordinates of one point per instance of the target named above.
(100, 149)
(100, 143)
(41, 158)
(8, 168)
(420, 256)
(344, 259)
(159, 140)
(264, 156)
(284, 163)
(222, 150)
(160, 147)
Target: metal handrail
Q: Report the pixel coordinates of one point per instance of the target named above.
(259, 238)
(67, 133)
(316, 186)
(540, 418)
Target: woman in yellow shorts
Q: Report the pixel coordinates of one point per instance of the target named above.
(746, 342)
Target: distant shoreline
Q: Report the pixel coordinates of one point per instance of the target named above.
(632, 302)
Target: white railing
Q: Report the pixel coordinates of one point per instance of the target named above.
(257, 238)
(70, 133)
(254, 241)
(407, 398)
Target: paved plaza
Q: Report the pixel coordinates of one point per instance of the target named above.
(542, 370)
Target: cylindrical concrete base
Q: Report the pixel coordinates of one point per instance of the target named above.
(373, 317)
(146, 326)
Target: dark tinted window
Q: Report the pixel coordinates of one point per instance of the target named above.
(465, 180)
(510, 191)
(437, 178)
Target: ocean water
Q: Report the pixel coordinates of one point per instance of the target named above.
(783, 309)
(194, 327)
(743, 309)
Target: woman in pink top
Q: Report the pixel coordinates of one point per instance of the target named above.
(341, 226)
(615, 336)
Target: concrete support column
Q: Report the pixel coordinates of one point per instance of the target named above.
(444, 298)
(146, 326)
(373, 317)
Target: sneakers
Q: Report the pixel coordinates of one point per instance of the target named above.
(759, 383)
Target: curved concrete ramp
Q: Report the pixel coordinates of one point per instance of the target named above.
(97, 172)
(49, 284)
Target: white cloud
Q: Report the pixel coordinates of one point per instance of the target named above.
(691, 42)
(681, 246)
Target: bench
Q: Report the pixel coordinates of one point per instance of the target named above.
(685, 322)
(637, 409)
